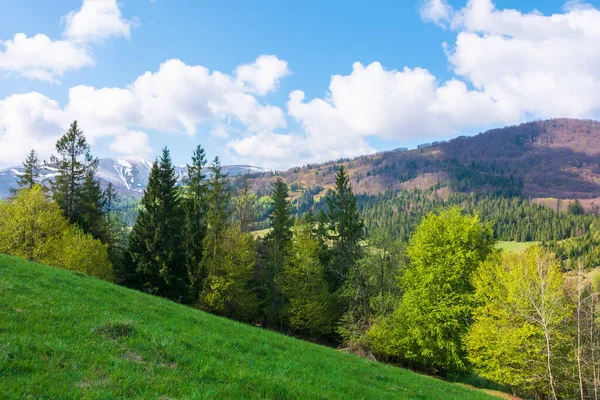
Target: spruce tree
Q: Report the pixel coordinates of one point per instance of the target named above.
(195, 218)
(156, 242)
(73, 163)
(277, 245)
(217, 216)
(110, 200)
(90, 216)
(31, 171)
(347, 226)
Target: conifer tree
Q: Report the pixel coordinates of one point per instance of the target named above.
(217, 216)
(347, 226)
(31, 171)
(74, 163)
(195, 218)
(110, 200)
(156, 242)
(278, 245)
(91, 216)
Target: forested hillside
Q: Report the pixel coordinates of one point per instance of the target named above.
(557, 158)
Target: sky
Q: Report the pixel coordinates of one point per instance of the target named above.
(280, 84)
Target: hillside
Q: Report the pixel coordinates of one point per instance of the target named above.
(557, 159)
(72, 336)
(129, 175)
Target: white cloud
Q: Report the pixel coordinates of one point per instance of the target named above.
(39, 57)
(96, 21)
(132, 143)
(29, 121)
(177, 98)
(263, 75)
(437, 11)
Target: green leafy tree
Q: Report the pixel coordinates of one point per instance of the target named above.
(277, 248)
(156, 241)
(195, 204)
(431, 321)
(229, 286)
(308, 306)
(74, 163)
(31, 171)
(347, 226)
(33, 227)
(519, 331)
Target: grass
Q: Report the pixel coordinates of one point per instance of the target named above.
(515, 246)
(67, 335)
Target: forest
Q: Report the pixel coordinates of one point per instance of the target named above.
(413, 278)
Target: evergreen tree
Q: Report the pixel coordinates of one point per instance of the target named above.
(347, 226)
(277, 247)
(31, 171)
(110, 201)
(74, 163)
(156, 241)
(195, 204)
(91, 216)
(217, 217)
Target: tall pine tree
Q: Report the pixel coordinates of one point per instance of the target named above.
(156, 242)
(195, 204)
(277, 248)
(217, 216)
(31, 171)
(347, 227)
(74, 164)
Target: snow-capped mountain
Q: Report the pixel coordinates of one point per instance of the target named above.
(129, 175)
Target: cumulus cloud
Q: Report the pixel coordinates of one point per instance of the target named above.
(39, 57)
(132, 143)
(29, 121)
(263, 75)
(437, 11)
(509, 66)
(177, 98)
(96, 21)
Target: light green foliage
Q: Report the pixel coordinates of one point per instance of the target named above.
(109, 342)
(308, 306)
(430, 323)
(228, 288)
(33, 227)
(521, 300)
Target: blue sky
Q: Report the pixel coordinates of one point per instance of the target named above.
(501, 71)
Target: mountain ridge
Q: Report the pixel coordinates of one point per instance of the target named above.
(128, 174)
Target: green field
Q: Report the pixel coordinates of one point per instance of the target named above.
(66, 335)
(515, 246)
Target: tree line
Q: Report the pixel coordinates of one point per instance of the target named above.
(432, 293)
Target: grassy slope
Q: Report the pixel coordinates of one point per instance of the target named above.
(71, 336)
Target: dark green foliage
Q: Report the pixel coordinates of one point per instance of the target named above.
(31, 171)
(217, 216)
(92, 203)
(74, 164)
(347, 227)
(156, 241)
(277, 250)
(575, 208)
(195, 205)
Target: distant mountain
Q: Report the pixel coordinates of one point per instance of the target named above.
(540, 160)
(129, 175)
